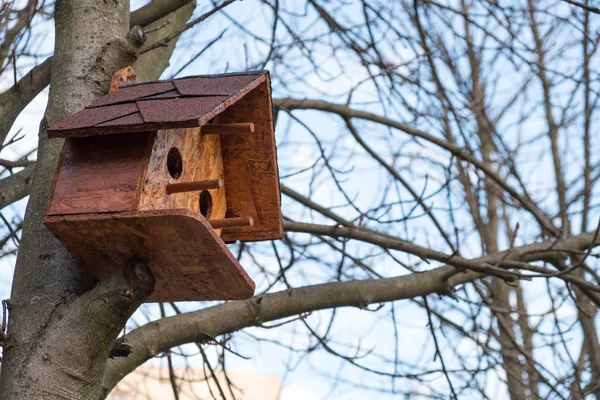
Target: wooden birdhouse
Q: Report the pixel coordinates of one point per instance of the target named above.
(167, 172)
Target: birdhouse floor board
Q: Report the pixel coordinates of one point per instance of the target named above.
(189, 261)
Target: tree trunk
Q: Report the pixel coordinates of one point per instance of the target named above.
(62, 325)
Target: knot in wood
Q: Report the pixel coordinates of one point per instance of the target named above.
(136, 36)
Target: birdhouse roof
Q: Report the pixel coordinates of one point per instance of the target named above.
(178, 103)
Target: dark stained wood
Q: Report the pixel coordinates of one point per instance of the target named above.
(100, 174)
(194, 186)
(165, 195)
(224, 129)
(83, 123)
(117, 129)
(250, 162)
(189, 261)
(228, 223)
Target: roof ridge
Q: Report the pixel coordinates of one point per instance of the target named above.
(150, 98)
(260, 72)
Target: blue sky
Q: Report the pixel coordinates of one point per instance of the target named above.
(370, 331)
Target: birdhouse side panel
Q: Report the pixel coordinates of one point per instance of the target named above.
(184, 156)
(100, 174)
(250, 163)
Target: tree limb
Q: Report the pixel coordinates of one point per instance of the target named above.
(15, 99)
(22, 20)
(150, 64)
(586, 7)
(15, 187)
(187, 26)
(347, 112)
(159, 336)
(154, 11)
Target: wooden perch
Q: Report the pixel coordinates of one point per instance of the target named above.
(244, 127)
(194, 186)
(236, 222)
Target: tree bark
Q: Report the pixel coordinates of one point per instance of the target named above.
(16, 186)
(150, 65)
(154, 14)
(159, 336)
(62, 325)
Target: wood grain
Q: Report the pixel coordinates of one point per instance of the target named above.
(226, 129)
(202, 160)
(228, 223)
(189, 261)
(100, 174)
(250, 163)
(194, 186)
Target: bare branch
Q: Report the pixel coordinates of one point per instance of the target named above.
(159, 336)
(154, 11)
(586, 7)
(347, 112)
(15, 187)
(187, 26)
(15, 99)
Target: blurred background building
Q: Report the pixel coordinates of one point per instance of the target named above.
(153, 383)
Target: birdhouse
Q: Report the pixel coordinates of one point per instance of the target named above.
(167, 172)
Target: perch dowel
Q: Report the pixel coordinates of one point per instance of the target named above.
(194, 186)
(243, 127)
(236, 222)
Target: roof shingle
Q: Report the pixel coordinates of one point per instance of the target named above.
(127, 94)
(177, 103)
(130, 119)
(215, 86)
(87, 118)
(178, 109)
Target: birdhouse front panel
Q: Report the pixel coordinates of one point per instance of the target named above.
(180, 156)
(160, 172)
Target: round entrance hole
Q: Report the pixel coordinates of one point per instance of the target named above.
(205, 203)
(174, 163)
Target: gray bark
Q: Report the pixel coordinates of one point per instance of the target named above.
(15, 99)
(16, 186)
(62, 325)
(157, 337)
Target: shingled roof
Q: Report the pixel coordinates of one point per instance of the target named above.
(179, 103)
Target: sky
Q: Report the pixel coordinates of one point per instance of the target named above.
(311, 378)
